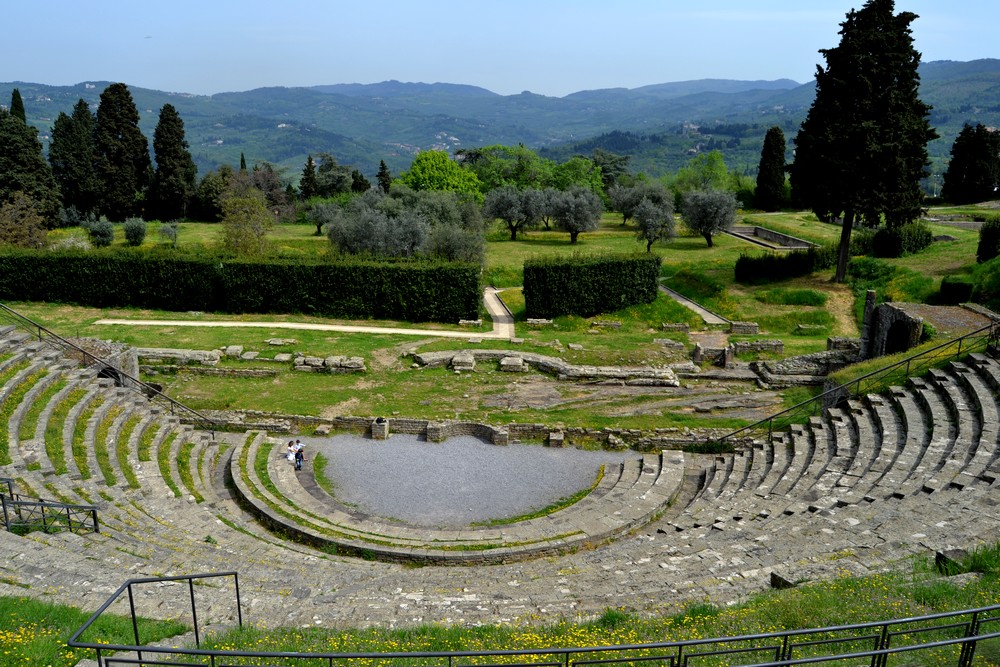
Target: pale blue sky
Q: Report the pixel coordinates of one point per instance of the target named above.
(551, 47)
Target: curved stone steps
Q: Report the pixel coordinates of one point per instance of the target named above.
(73, 380)
(904, 477)
(11, 405)
(822, 452)
(881, 421)
(989, 370)
(966, 427)
(942, 439)
(32, 447)
(94, 395)
(986, 405)
(644, 489)
(843, 448)
(106, 411)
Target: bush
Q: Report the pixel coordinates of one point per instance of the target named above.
(586, 286)
(955, 290)
(987, 288)
(135, 231)
(908, 239)
(168, 232)
(770, 267)
(102, 232)
(792, 297)
(989, 240)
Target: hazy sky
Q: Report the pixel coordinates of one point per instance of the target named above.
(551, 47)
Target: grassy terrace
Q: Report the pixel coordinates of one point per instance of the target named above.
(391, 386)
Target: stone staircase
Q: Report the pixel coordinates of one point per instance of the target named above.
(880, 478)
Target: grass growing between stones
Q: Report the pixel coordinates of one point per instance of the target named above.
(54, 430)
(30, 420)
(5, 377)
(34, 632)
(163, 462)
(122, 450)
(79, 446)
(184, 470)
(101, 450)
(903, 592)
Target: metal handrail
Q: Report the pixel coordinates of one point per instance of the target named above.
(14, 504)
(878, 634)
(45, 335)
(990, 332)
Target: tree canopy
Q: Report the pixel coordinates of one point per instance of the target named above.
(23, 169)
(708, 212)
(173, 181)
(770, 190)
(435, 170)
(862, 149)
(122, 163)
(973, 174)
(71, 154)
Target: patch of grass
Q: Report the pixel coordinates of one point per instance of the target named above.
(786, 296)
(8, 405)
(788, 323)
(79, 444)
(33, 632)
(54, 430)
(145, 443)
(319, 474)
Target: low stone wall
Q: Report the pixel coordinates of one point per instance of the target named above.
(744, 328)
(332, 364)
(179, 357)
(776, 346)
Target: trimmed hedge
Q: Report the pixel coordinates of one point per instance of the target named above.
(772, 267)
(586, 286)
(416, 292)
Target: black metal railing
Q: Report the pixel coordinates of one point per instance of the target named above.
(983, 339)
(870, 644)
(21, 514)
(45, 335)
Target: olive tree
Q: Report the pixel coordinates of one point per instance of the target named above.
(708, 212)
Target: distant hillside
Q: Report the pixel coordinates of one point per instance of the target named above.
(660, 125)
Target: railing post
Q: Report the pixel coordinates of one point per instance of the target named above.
(6, 517)
(968, 651)
(69, 520)
(194, 614)
(97, 527)
(135, 621)
(239, 606)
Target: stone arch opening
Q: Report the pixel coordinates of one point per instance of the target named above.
(899, 336)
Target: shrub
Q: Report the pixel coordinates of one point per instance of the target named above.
(908, 239)
(989, 240)
(135, 231)
(586, 286)
(769, 267)
(102, 232)
(168, 232)
(987, 288)
(955, 290)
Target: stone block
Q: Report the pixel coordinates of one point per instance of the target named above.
(744, 328)
(314, 362)
(353, 363)
(249, 356)
(380, 428)
(538, 321)
(470, 323)
(234, 351)
(463, 361)
(512, 364)
(283, 357)
(675, 326)
(575, 346)
(556, 439)
(323, 429)
(335, 361)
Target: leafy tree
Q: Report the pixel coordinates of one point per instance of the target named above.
(578, 210)
(122, 163)
(537, 205)
(434, 170)
(71, 154)
(23, 168)
(168, 232)
(498, 165)
(332, 178)
(174, 179)
(770, 191)
(705, 171)
(383, 177)
(578, 171)
(862, 149)
(135, 231)
(308, 185)
(625, 199)
(655, 221)
(20, 224)
(208, 195)
(973, 174)
(506, 203)
(246, 220)
(358, 181)
(370, 231)
(612, 166)
(708, 212)
(17, 106)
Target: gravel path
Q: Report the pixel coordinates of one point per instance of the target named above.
(453, 483)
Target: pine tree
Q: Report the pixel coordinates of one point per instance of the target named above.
(308, 185)
(358, 182)
(243, 162)
(121, 154)
(23, 168)
(862, 149)
(770, 192)
(17, 106)
(71, 154)
(383, 177)
(174, 179)
(974, 171)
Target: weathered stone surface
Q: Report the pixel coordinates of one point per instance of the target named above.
(512, 364)
(744, 328)
(234, 351)
(154, 355)
(283, 357)
(250, 356)
(463, 361)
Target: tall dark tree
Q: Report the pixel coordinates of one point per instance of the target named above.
(383, 177)
(243, 162)
(613, 166)
(23, 169)
(358, 182)
(862, 148)
(173, 182)
(770, 192)
(71, 154)
(17, 106)
(121, 154)
(973, 174)
(307, 184)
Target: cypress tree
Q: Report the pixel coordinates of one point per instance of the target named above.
(308, 185)
(174, 179)
(23, 168)
(17, 106)
(974, 171)
(243, 162)
(121, 154)
(71, 154)
(770, 192)
(862, 149)
(383, 177)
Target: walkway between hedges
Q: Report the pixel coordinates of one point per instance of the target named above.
(503, 324)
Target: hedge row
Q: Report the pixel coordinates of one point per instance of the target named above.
(771, 267)
(416, 292)
(586, 286)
